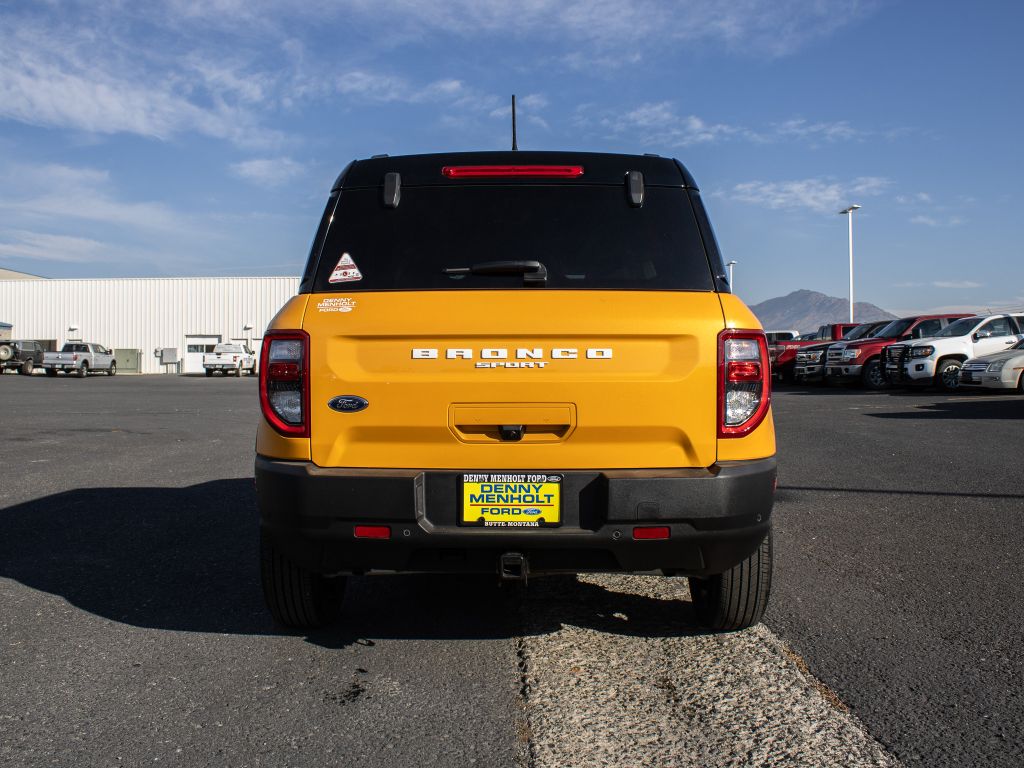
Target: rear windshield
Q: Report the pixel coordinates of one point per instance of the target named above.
(587, 237)
(227, 348)
(75, 348)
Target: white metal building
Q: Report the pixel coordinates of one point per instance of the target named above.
(190, 314)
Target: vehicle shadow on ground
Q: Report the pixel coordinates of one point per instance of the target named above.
(972, 409)
(185, 559)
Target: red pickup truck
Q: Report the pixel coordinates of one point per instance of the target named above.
(858, 360)
(783, 354)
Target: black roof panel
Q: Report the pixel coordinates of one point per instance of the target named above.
(598, 168)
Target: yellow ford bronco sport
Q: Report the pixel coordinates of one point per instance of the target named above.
(515, 363)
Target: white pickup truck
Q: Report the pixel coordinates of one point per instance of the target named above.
(937, 360)
(232, 359)
(81, 359)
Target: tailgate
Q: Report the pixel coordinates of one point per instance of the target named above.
(599, 379)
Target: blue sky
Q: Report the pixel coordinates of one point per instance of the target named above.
(201, 138)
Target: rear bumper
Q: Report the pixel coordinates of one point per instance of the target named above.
(716, 516)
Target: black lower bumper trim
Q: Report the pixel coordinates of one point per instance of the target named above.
(716, 518)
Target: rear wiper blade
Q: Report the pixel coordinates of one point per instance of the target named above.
(534, 273)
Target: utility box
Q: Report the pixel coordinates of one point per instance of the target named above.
(5, 331)
(169, 359)
(128, 360)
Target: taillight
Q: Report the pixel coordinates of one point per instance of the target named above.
(744, 381)
(488, 171)
(284, 382)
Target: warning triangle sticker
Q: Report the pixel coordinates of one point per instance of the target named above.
(346, 271)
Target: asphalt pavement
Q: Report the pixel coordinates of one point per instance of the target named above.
(132, 629)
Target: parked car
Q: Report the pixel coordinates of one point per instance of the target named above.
(234, 359)
(518, 393)
(21, 356)
(783, 354)
(81, 359)
(937, 360)
(1001, 370)
(810, 361)
(859, 361)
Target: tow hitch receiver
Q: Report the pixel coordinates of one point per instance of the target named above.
(512, 566)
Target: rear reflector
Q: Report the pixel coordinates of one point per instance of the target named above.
(651, 532)
(539, 171)
(373, 532)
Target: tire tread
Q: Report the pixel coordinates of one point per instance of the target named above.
(296, 597)
(737, 598)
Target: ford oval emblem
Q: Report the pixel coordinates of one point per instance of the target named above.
(347, 404)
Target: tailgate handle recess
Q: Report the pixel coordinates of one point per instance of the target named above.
(512, 423)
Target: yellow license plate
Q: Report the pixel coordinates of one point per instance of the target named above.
(515, 500)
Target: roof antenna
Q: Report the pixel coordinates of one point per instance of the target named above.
(515, 146)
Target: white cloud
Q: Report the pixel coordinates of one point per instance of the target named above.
(654, 124)
(57, 76)
(957, 284)
(222, 68)
(78, 193)
(661, 123)
(268, 172)
(819, 195)
(824, 131)
(763, 27)
(932, 221)
(36, 246)
(918, 197)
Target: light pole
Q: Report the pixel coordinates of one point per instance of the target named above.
(849, 212)
(730, 265)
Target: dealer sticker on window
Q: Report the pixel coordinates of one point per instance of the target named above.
(346, 271)
(511, 500)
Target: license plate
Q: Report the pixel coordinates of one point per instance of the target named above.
(966, 375)
(496, 500)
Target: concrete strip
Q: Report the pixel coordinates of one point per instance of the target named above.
(617, 673)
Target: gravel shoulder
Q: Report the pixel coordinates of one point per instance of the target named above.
(629, 679)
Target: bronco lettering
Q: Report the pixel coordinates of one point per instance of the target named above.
(497, 353)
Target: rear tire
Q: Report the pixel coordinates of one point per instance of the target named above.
(947, 375)
(83, 371)
(297, 597)
(1020, 384)
(209, 373)
(736, 599)
(871, 375)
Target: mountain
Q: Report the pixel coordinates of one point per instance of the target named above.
(805, 310)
